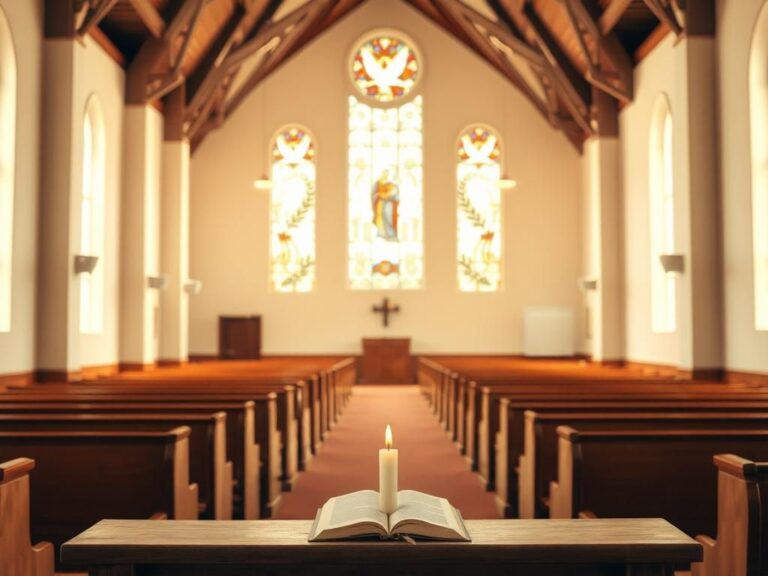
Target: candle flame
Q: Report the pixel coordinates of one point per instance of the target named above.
(388, 437)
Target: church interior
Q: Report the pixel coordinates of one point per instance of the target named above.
(501, 264)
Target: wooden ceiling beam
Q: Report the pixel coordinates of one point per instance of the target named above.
(618, 84)
(206, 81)
(666, 15)
(574, 88)
(149, 15)
(292, 38)
(97, 10)
(612, 15)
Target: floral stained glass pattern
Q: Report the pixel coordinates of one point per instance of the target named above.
(385, 68)
(385, 196)
(478, 171)
(292, 223)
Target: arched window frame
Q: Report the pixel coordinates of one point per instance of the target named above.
(8, 87)
(662, 216)
(292, 214)
(374, 260)
(92, 216)
(758, 122)
(479, 208)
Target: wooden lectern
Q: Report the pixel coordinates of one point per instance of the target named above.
(387, 361)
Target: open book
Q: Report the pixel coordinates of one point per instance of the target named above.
(357, 515)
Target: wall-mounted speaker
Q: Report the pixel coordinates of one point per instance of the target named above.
(193, 287)
(157, 282)
(84, 263)
(672, 263)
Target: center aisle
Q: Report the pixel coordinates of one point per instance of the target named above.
(349, 458)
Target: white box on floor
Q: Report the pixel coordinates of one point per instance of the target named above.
(548, 331)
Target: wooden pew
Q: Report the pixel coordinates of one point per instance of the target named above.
(510, 440)
(640, 473)
(17, 555)
(252, 435)
(287, 426)
(489, 425)
(538, 463)
(82, 477)
(208, 468)
(741, 548)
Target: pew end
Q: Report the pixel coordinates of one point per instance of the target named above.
(18, 557)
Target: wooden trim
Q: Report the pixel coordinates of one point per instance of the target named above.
(654, 39)
(106, 44)
(171, 363)
(53, 376)
(93, 372)
(136, 366)
(20, 379)
(748, 378)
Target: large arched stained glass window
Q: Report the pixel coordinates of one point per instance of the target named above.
(92, 217)
(292, 219)
(385, 209)
(478, 172)
(662, 193)
(7, 164)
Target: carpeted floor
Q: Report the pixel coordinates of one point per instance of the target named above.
(348, 460)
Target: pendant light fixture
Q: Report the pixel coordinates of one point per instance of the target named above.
(264, 182)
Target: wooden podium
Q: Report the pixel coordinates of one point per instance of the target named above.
(387, 361)
(239, 337)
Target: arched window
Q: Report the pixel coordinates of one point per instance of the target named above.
(292, 220)
(7, 166)
(662, 193)
(385, 204)
(478, 171)
(92, 217)
(758, 109)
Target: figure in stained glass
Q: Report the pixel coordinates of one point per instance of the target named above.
(385, 199)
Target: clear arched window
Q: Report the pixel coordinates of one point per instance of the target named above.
(478, 171)
(92, 217)
(292, 219)
(758, 109)
(7, 166)
(662, 193)
(385, 202)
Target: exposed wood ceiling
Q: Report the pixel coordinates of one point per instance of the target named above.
(563, 55)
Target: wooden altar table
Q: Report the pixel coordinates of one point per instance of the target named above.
(603, 547)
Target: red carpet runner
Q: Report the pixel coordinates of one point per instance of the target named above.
(348, 460)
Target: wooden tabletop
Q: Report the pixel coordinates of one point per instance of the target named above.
(272, 541)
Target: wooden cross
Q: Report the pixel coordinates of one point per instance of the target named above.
(385, 310)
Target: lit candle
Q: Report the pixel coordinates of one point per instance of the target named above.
(388, 475)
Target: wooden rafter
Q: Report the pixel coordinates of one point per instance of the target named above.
(574, 89)
(464, 17)
(149, 16)
(96, 11)
(618, 83)
(183, 27)
(612, 14)
(666, 15)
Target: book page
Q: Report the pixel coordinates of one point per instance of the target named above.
(355, 514)
(425, 515)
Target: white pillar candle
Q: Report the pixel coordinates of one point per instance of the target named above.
(388, 475)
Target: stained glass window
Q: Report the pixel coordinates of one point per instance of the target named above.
(92, 218)
(385, 196)
(385, 68)
(478, 171)
(292, 222)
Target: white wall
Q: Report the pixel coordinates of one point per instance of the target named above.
(98, 74)
(658, 73)
(229, 218)
(746, 349)
(17, 347)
